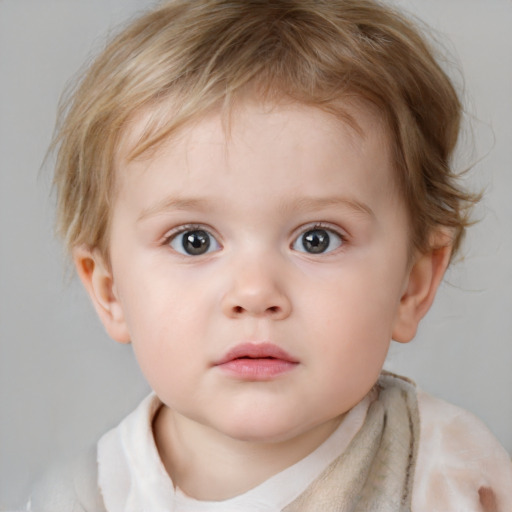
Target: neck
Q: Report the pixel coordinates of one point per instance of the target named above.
(208, 465)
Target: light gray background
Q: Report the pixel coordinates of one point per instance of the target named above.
(63, 383)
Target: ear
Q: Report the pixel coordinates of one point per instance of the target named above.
(424, 278)
(97, 278)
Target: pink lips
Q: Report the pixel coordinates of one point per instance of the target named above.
(256, 361)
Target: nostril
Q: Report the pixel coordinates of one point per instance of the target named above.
(238, 310)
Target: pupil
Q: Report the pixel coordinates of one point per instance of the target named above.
(196, 242)
(316, 241)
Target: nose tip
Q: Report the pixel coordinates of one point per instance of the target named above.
(256, 295)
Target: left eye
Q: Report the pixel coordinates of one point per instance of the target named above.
(194, 242)
(317, 241)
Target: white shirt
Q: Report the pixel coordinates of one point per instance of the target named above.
(457, 457)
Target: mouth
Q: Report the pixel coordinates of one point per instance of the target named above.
(256, 362)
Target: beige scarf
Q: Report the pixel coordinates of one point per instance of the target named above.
(375, 473)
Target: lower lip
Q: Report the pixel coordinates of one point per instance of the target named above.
(257, 369)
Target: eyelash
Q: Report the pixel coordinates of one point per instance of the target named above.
(170, 235)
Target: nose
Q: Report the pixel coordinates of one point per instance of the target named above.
(255, 291)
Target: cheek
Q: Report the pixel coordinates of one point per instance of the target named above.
(351, 319)
(360, 300)
(165, 320)
(353, 342)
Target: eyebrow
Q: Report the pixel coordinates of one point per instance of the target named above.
(303, 203)
(176, 203)
(315, 203)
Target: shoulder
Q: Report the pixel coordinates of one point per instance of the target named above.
(69, 487)
(461, 466)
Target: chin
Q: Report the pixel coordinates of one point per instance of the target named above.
(262, 430)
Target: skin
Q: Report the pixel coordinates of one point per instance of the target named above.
(281, 171)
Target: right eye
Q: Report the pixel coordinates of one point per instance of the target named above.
(194, 242)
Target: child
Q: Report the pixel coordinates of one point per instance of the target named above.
(258, 196)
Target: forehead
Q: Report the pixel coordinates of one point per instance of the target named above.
(267, 134)
(152, 128)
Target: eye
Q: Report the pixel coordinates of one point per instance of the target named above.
(317, 240)
(194, 242)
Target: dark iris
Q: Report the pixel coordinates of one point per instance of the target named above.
(315, 241)
(196, 242)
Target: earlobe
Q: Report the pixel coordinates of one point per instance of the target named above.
(98, 281)
(423, 281)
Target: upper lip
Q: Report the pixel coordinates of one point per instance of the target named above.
(256, 351)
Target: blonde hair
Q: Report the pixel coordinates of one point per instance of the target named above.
(187, 57)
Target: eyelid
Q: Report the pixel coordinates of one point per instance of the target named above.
(182, 228)
(321, 225)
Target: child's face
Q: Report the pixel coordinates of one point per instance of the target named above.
(260, 274)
